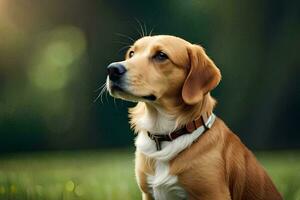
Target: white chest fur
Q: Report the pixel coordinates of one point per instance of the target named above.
(164, 186)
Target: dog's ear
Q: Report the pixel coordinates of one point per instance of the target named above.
(202, 77)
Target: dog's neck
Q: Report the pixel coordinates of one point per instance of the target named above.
(159, 119)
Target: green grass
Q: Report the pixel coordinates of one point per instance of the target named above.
(68, 176)
(92, 175)
(284, 168)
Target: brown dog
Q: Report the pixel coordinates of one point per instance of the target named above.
(182, 150)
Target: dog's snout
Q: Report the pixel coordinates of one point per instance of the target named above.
(115, 71)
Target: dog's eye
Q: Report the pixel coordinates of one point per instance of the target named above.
(160, 56)
(131, 53)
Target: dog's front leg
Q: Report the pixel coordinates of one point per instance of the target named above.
(143, 167)
(146, 196)
(211, 197)
(219, 192)
(142, 185)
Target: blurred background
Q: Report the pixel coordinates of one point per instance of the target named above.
(53, 58)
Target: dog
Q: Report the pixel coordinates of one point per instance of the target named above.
(183, 151)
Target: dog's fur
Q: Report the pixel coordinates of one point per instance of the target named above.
(215, 165)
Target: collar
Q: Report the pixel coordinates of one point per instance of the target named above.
(205, 121)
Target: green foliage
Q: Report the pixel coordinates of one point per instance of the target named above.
(107, 175)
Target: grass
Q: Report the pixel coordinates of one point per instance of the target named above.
(68, 176)
(284, 168)
(91, 175)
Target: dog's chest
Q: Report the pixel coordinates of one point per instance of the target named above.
(164, 186)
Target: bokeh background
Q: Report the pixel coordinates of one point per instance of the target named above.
(53, 58)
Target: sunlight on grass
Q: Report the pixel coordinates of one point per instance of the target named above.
(76, 175)
(91, 175)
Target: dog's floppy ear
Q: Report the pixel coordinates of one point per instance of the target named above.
(202, 77)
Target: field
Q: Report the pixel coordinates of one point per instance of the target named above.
(107, 175)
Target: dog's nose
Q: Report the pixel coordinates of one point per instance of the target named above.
(115, 71)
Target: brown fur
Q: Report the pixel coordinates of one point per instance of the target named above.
(217, 165)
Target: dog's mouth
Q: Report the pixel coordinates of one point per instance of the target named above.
(150, 97)
(118, 91)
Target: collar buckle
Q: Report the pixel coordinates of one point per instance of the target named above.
(156, 139)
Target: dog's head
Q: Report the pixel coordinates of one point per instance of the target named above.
(163, 68)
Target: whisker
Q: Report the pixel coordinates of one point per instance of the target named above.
(151, 31)
(103, 89)
(100, 88)
(125, 36)
(145, 27)
(141, 25)
(142, 33)
(138, 31)
(95, 100)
